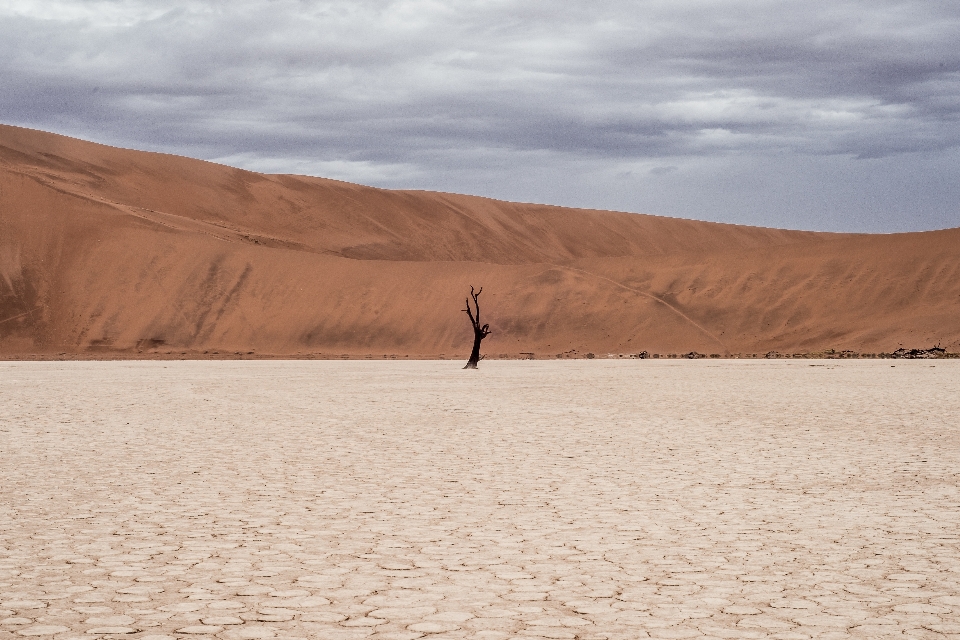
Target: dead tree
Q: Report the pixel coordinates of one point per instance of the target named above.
(479, 332)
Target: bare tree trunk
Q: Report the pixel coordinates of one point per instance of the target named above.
(479, 332)
(475, 354)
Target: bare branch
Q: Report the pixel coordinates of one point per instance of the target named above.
(476, 303)
(473, 321)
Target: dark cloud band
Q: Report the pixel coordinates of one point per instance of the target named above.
(463, 95)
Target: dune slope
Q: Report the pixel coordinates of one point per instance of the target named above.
(107, 251)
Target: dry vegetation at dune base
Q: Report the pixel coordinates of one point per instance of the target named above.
(935, 353)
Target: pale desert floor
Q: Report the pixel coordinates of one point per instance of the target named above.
(577, 499)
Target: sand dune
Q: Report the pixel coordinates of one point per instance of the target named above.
(106, 251)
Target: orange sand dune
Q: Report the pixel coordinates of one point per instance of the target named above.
(107, 251)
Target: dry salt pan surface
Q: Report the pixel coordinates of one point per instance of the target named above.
(578, 499)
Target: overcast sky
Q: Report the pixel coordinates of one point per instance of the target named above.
(827, 115)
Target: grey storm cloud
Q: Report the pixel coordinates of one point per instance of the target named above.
(786, 113)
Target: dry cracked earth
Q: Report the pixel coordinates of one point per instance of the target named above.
(575, 500)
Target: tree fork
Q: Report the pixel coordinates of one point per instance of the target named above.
(479, 332)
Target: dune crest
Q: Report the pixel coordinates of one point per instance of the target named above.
(107, 251)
